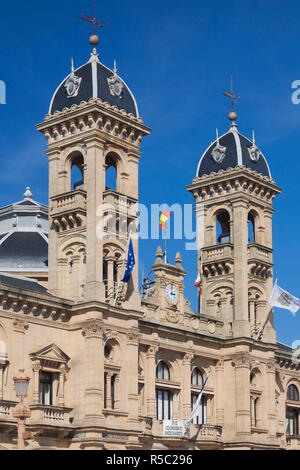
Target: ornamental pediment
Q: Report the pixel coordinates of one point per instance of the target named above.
(51, 353)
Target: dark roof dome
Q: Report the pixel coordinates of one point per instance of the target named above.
(24, 236)
(231, 150)
(93, 80)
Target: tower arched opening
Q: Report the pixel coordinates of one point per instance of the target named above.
(77, 174)
(222, 227)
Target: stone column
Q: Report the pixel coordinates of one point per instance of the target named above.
(219, 393)
(117, 392)
(95, 186)
(93, 371)
(108, 389)
(53, 157)
(62, 275)
(270, 399)
(2, 367)
(186, 393)
(241, 326)
(252, 413)
(150, 381)
(242, 393)
(61, 389)
(132, 372)
(75, 293)
(110, 277)
(36, 367)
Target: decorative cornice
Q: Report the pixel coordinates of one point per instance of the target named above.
(93, 329)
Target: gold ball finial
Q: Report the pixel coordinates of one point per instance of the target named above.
(232, 116)
(94, 40)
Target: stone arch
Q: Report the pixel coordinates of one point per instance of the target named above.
(256, 218)
(74, 159)
(114, 158)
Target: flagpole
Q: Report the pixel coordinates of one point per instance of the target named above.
(165, 247)
(265, 317)
(123, 266)
(201, 288)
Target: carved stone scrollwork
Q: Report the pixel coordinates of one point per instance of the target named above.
(188, 357)
(133, 337)
(19, 325)
(92, 330)
(172, 316)
(241, 361)
(152, 350)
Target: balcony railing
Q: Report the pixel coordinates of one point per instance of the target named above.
(72, 201)
(206, 433)
(259, 252)
(218, 252)
(48, 414)
(6, 407)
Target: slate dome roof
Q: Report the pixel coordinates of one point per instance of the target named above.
(93, 80)
(231, 150)
(24, 236)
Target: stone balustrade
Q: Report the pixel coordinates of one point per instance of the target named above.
(48, 414)
(6, 408)
(72, 201)
(256, 251)
(219, 252)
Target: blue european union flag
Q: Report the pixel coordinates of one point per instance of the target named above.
(130, 263)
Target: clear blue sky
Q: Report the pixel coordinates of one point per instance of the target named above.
(175, 56)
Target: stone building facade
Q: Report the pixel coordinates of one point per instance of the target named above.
(108, 365)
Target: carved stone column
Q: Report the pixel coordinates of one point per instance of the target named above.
(93, 371)
(132, 373)
(219, 394)
(150, 381)
(61, 393)
(2, 367)
(110, 277)
(242, 393)
(75, 291)
(117, 392)
(252, 412)
(186, 385)
(270, 399)
(108, 389)
(36, 367)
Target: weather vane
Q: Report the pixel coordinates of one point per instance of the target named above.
(94, 39)
(230, 94)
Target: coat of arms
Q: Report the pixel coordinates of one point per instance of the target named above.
(72, 84)
(115, 84)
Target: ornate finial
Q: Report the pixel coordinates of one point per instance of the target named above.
(253, 137)
(217, 134)
(94, 38)
(115, 67)
(159, 255)
(72, 65)
(28, 193)
(178, 259)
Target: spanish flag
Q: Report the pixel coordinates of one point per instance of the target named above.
(163, 219)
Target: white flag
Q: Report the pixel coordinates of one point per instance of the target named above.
(282, 299)
(197, 404)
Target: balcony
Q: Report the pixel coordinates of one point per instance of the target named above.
(6, 408)
(121, 204)
(71, 202)
(258, 252)
(293, 442)
(218, 259)
(208, 435)
(49, 415)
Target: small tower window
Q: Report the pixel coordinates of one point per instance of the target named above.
(197, 378)
(111, 173)
(251, 230)
(162, 371)
(292, 393)
(223, 227)
(77, 179)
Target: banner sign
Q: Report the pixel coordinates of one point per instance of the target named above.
(175, 428)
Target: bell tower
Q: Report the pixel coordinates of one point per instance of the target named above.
(94, 133)
(234, 192)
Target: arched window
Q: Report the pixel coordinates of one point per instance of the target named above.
(292, 393)
(292, 422)
(197, 378)
(77, 178)
(251, 228)
(223, 227)
(162, 371)
(111, 173)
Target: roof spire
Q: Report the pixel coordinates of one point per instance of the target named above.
(115, 67)
(253, 137)
(217, 134)
(94, 38)
(72, 65)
